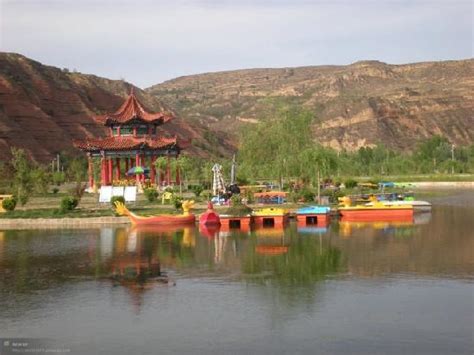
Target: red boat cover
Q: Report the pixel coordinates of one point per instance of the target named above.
(210, 217)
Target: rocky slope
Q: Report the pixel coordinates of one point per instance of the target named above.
(43, 108)
(362, 104)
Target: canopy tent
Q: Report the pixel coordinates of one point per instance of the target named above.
(138, 170)
(233, 170)
(218, 185)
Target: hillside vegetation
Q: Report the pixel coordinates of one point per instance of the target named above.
(358, 105)
(43, 109)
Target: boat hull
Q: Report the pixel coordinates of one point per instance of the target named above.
(418, 206)
(376, 214)
(163, 220)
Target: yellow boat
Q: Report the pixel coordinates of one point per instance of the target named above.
(375, 212)
(269, 212)
(275, 217)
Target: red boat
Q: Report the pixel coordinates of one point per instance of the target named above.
(210, 217)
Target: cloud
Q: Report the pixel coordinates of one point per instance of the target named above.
(149, 41)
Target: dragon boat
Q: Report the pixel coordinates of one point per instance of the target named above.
(161, 220)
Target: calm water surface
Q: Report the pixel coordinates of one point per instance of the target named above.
(370, 288)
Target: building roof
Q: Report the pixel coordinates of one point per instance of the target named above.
(119, 143)
(132, 109)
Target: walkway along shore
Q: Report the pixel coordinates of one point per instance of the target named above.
(92, 222)
(45, 223)
(443, 184)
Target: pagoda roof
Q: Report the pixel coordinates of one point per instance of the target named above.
(131, 110)
(120, 143)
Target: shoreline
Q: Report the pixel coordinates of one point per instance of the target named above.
(443, 184)
(45, 223)
(84, 222)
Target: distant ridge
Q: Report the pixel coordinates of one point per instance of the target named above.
(43, 108)
(362, 104)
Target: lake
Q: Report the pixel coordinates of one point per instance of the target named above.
(358, 288)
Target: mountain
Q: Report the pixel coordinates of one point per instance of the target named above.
(43, 109)
(362, 104)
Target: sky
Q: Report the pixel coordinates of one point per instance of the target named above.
(146, 42)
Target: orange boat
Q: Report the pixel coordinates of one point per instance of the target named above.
(369, 213)
(375, 212)
(161, 220)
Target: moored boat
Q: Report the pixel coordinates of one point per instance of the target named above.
(376, 212)
(270, 217)
(312, 215)
(165, 219)
(210, 217)
(420, 206)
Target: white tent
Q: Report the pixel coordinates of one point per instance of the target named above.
(218, 185)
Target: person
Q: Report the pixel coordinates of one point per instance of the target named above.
(234, 189)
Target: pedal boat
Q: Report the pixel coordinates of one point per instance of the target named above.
(375, 212)
(421, 206)
(312, 215)
(270, 216)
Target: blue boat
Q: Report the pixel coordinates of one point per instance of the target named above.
(313, 210)
(312, 230)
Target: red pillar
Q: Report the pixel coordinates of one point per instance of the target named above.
(162, 176)
(117, 168)
(103, 171)
(152, 169)
(91, 172)
(111, 171)
(137, 163)
(142, 164)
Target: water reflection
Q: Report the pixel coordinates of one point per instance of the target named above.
(286, 257)
(141, 258)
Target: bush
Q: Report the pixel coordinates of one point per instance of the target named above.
(350, 184)
(333, 194)
(197, 189)
(207, 196)
(151, 194)
(238, 210)
(248, 196)
(177, 202)
(304, 195)
(116, 198)
(235, 200)
(307, 195)
(59, 178)
(68, 203)
(9, 204)
(55, 190)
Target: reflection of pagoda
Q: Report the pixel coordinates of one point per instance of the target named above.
(133, 140)
(134, 266)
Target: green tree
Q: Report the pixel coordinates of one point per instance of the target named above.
(160, 165)
(77, 172)
(22, 178)
(40, 179)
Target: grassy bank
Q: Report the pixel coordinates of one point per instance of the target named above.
(416, 178)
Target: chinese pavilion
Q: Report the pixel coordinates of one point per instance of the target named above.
(133, 141)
